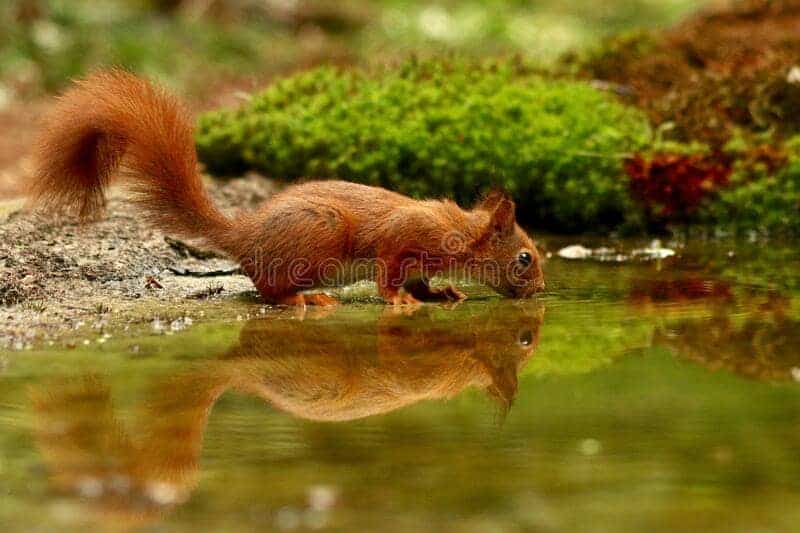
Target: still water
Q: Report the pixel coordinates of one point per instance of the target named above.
(657, 395)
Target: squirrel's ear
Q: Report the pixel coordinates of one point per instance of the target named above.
(490, 201)
(503, 216)
(504, 386)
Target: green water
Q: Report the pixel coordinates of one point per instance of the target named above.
(654, 396)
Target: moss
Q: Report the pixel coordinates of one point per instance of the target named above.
(441, 129)
(760, 202)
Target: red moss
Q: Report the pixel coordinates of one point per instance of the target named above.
(672, 186)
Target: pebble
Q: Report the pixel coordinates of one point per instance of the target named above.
(576, 251)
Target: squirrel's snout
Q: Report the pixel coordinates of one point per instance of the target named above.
(536, 287)
(528, 290)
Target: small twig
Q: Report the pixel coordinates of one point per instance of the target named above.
(152, 283)
(206, 293)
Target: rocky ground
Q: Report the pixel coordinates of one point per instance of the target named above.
(60, 280)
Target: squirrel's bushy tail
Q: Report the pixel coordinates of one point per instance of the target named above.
(114, 121)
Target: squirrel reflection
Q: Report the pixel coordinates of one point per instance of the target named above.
(325, 370)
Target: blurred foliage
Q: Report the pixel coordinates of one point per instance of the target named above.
(52, 41)
(722, 82)
(441, 129)
(541, 29)
(718, 71)
(761, 199)
(47, 42)
(728, 79)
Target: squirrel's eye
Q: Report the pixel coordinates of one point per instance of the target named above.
(525, 258)
(525, 337)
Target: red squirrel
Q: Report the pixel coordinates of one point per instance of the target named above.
(304, 237)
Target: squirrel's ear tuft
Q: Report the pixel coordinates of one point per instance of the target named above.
(492, 198)
(503, 388)
(503, 215)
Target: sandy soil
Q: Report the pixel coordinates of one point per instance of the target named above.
(60, 280)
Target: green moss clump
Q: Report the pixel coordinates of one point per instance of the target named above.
(763, 197)
(441, 129)
(765, 203)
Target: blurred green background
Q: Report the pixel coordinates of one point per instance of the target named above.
(188, 43)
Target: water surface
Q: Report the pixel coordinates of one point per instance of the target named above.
(655, 395)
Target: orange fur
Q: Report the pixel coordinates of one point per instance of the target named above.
(116, 121)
